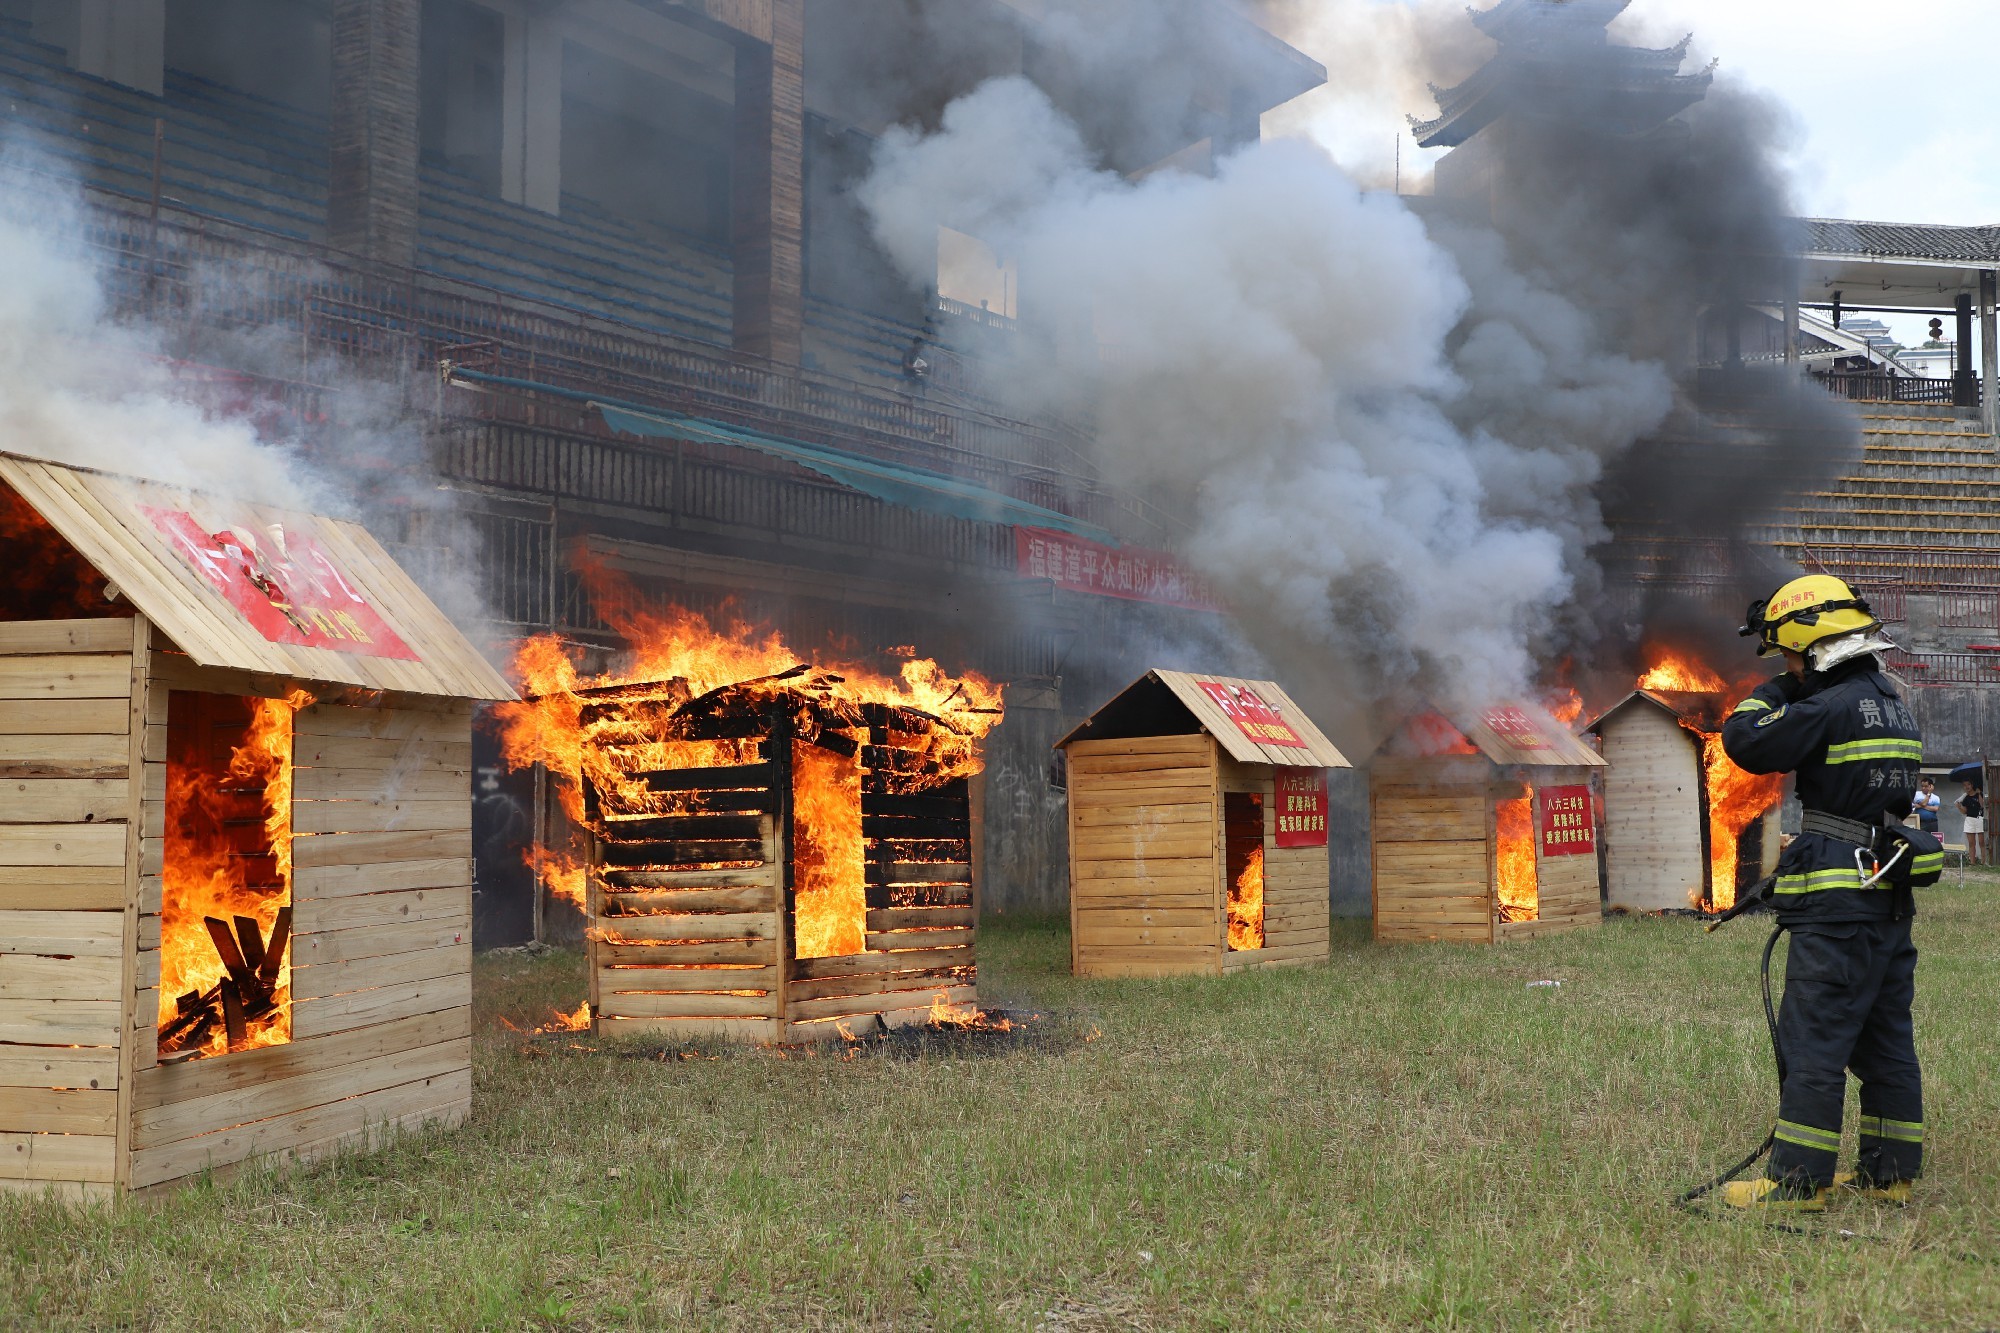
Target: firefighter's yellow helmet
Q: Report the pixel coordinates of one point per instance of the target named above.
(1805, 611)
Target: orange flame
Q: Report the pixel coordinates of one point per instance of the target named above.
(208, 862)
(1514, 860)
(946, 1014)
(1246, 903)
(1736, 799)
(547, 726)
(827, 855)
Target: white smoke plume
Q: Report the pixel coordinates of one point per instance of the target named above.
(1382, 447)
(80, 387)
(85, 383)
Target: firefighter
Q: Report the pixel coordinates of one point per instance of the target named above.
(1836, 721)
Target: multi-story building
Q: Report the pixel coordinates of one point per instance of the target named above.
(512, 210)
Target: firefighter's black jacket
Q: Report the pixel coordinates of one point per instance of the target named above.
(1857, 752)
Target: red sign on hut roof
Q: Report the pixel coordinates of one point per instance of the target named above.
(274, 591)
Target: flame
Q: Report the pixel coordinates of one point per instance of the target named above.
(1673, 672)
(207, 869)
(547, 727)
(832, 899)
(1514, 860)
(948, 1015)
(46, 578)
(1736, 799)
(598, 731)
(575, 1021)
(1246, 903)
(1563, 704)
(561, 874)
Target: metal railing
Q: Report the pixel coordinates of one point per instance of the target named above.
(193, 272)
(1894, 389)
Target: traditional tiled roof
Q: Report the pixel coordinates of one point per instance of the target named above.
(1897, 240)
(1511, 16)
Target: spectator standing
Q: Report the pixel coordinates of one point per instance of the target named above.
(1973, 808)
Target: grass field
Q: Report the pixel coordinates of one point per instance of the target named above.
(1409, 1137)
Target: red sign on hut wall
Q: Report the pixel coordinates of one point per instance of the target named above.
(1300, 794)
(1568, 828)
(284, 584)
(1252, 716)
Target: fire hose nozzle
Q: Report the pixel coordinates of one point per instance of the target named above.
(1757, 894)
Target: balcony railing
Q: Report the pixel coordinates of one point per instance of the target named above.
(1895, 389)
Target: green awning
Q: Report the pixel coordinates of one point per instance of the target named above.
(892, 483)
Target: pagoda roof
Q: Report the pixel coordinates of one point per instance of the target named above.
(1630, 89)
(1511, 18)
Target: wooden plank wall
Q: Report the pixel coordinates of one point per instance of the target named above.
(1145, 854)
(690, 953)
(1655, 856)
(381, 944)
(1298, 888)
(67, 921)
(1432, 827)
(1568, 894)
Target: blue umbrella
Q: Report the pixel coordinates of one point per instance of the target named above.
(1971, 771)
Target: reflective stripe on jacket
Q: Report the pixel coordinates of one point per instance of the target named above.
(1857, 752)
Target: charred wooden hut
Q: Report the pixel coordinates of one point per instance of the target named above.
(1483, 828)
(1197, 829)
(776, 859)
(235, 850)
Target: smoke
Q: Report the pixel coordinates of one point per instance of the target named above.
(1385, 449)
(86, 381)
(1386, 437)
(79, 387)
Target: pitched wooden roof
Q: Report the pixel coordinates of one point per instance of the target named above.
(1255, 721)
(1700, 709)
(1508, 734)
(255, 588)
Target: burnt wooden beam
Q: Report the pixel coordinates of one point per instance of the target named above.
(274, 948)
(636, 854)
(712, 779)
(225, 948)
(250, 939)
(232, 1015)
(667, 828)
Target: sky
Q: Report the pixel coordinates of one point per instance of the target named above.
(1887, 126)
(1883, 126)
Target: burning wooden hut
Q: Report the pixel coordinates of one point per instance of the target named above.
(1483, 828)
(780, 857)
(1683, 826)
(1197, 830)
(235, 853)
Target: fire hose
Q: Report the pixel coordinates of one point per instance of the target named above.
(1756, 896)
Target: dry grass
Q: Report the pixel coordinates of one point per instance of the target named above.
(1408, 1138)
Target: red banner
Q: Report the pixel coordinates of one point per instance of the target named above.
(1301, 798)
(1253, 717)
(1077, 565)
(1567, 824)
(285, 585)
(1514, 726)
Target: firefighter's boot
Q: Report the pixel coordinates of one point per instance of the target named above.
(1896, 1191)
(1790, 1195)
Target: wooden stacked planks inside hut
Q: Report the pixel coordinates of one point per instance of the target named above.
(1661, 816)
(775, 861)
(1197, 830)
(1483, 828)
(235, 851)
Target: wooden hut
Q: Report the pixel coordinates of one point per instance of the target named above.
(1671, 839)
(1197, 829)
(1483, 828)
(235, 875)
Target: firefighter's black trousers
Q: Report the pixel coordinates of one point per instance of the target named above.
(1848, 987)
